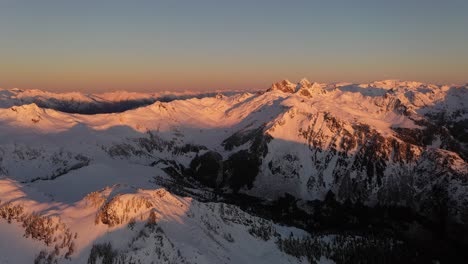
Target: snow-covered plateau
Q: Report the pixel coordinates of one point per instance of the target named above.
(298, 173)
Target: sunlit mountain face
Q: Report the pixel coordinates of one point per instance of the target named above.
(301, 172)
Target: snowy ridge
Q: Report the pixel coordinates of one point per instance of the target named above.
(109, 102)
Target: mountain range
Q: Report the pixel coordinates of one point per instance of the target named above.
(300, 172)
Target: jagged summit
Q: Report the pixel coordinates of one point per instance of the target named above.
(304, 82)
(285, 86)
(304, 87)
(308, 89)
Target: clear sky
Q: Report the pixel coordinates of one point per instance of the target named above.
(95, 46)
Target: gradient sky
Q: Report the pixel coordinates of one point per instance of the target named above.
(96, 46)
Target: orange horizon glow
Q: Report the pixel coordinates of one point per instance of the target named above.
(152, 46)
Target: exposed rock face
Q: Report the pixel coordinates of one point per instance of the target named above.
(208, 168)
(284, 86)
(308, 89)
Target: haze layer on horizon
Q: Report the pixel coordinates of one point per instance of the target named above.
(144, 45)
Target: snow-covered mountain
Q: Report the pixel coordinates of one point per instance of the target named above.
(301, 172)
(76, 102)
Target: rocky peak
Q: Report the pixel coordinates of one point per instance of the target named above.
(304, 83)
(308, 89)
(284, 86)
